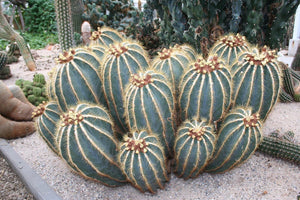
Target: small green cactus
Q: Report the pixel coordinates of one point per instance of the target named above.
(256, 81)
(238, 138)
(85, 140)
(142, 160)
(205, 90)
(121, 61)
(47, 116)
(78, 79)
(149, 104)
(194, 146)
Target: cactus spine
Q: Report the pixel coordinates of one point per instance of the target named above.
(194, 145)
(142, 160)
(78, 79)
(122, 60)
(229, 47)
(86, 142)
(149, 103)
(47, 117)
(256, 82)
(205, 90)
(238, 138)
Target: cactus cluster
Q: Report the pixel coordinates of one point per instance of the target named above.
(116, 116)
(35, 90)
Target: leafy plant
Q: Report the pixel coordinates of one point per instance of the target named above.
(39, 16)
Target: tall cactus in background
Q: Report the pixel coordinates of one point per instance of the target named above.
(6, 32)
(77, 9)
(64, 24)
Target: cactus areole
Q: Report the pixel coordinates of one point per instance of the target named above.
(136, 145)
(251, 120)
(71, 118)
(262, 58)
(141, 80)
(197, 133)
(65, 57)
(117, 50)
(39, 110)
(234, 40)
(202, 66)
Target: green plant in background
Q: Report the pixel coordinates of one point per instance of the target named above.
(296, 61)
(202, 22)
(35, 91)
(133, 139)
(6, 32)
(117, 14)
(39, 17)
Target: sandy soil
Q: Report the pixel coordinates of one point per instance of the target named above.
(261, 177)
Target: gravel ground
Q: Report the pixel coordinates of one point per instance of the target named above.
(11, 188)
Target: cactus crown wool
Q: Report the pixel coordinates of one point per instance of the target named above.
(206, 66)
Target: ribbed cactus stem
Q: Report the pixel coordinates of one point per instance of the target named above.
(280, 149)
(64, 24)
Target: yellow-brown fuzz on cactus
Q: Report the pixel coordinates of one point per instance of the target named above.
(234, 41)
(136, 145)
(196, 133)
(229, 47)
(205, 90)
(202, 66)
(256, 78)
(65, 57)
(251, 120)
(71, 118)
(117, 49)
(165, 54)
(140, 81)
(39, 110)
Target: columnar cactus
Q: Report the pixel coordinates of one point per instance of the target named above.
(122, 60)
(77, 79)
(238, 138)
(256, 81)
(205, 90)
(47, 117)
(86, 142)
(194, 146)
(142, 160)
(105, 36)
(229, 47)
(149, 103)
(172, 63)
